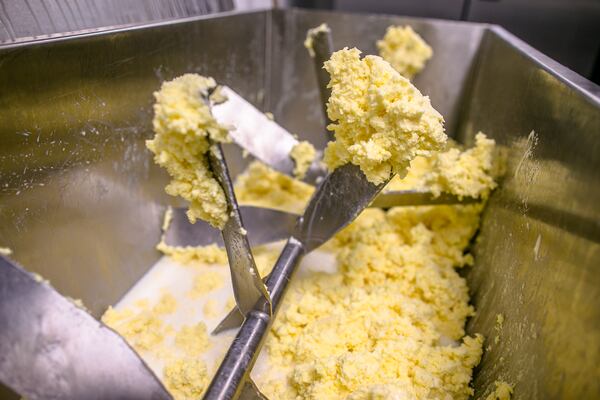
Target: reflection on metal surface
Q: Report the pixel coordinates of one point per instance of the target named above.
(261, 137)
(539, 247)
(247, 284)
(183, 233)
(415, 198)
(33, 19)
(320, 49)
(81, 202)
(52, 349)
(80, 199)
(338, 200)
(255, 132)
(251, 392)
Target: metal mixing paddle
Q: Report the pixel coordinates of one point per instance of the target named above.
(52, 349)
(339, 199)
(248, 286)
(320, 51)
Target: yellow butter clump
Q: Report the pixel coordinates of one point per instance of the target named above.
(186, 378)
(405, 50)
(463, 173)
(390, 322)
(262, 186)
(166, 305)
(503, 391)
(310, 37)
(206, 282)
(184, 374)
(143, 327)
(193, 340)
(303, 155)
(183, 126)
(190, 255)
(380, 120)
(211, 309)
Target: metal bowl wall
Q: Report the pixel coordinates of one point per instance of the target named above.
(81, 201)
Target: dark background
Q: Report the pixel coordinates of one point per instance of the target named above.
(566, 30)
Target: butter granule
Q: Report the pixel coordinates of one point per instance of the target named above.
(78, 303)
(503, 391)
(166, 305)
(380, 120)
(405, 50)
(144, 328)
(468, 172)
(193, 340)
(310, 37)
(185, 374)
(303, 154)
(186, 378)
(206, 282)
(211, 309)
(260, 185)
(183, 125)
(190, 255)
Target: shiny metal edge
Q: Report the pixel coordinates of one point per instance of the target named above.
(127, 28)
(580, 84)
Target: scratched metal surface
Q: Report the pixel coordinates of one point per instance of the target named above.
(81, 202)
(33, 19)
(52, 349)
(80, 199)
(538, 252)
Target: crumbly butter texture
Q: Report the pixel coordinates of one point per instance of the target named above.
(211, 308)
(390, 322)
(310, 37)
(186, 378)
(405, 50)
(260, 185)
(143, 327)
(461, 172)
(184, 373)
(190, 255)
(503, 391)
(387, 324)
(193, 340)
(380, 120)
(206, 282)
(183, 126)
(303, 155)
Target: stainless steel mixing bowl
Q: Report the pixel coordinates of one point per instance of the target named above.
(81, 201)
